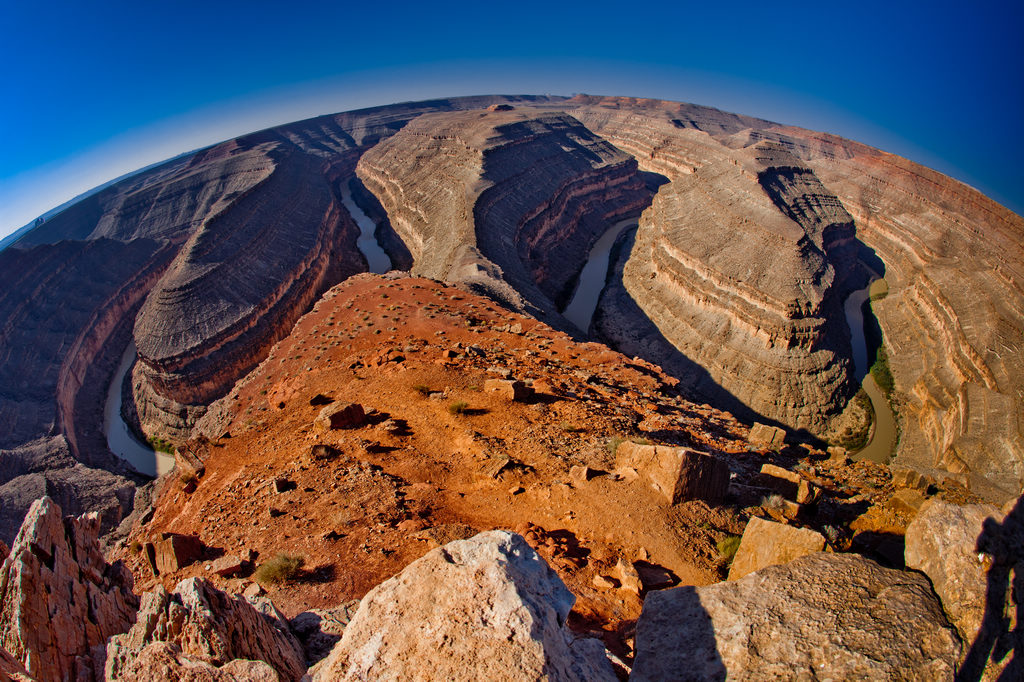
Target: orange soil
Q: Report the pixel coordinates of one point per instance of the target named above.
(419, 475)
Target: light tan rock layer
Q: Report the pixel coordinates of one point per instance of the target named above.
(825, 616)
(483, 608)
(502, 198)
(953, 259)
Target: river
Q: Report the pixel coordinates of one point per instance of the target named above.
(593, 277)
(375, 257)
(120, 439)
(883, 437)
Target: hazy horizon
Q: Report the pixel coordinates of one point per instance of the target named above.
(105, 91)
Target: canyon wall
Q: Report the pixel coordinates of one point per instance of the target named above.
(953, 260)
(738, 270)
(751, 234)
(221, 250)
(508, 201)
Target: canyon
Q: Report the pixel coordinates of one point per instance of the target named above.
(552, 277)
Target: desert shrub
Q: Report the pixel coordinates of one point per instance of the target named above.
(161, 445)
(881, 372)
(614, 442)
(280, 568)
(458, 407)
(776, 502)
(422, 389)
(727, 546)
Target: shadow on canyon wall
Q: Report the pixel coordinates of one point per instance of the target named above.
(631, 331)
(996, 639)
(643, 339)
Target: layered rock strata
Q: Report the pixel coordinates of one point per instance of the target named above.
(59, 599)
(73, 285)
(741, 271)
(502, 198)
(953, 260)
(238, 284)
(47, 467)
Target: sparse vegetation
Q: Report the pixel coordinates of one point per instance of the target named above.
(422, 389)
(854, 439)
(831, 533)
(879, 289)
(727, 546)
(881, 372)
(775, 502)
(614, 442)
(280, 568)
(571, 428)
(135, 547)
(161, 445)
(458, 407)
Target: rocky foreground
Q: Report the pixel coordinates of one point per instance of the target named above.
(488, 607)
(469, 494)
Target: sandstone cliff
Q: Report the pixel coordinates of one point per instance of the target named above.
(241, 237)
(501, 198)
(741, 266)
(953, 260)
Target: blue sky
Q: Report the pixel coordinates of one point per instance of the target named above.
(93, 90)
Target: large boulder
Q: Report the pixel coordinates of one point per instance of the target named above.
(59, 598)
(204, 626)
(941, 542)
(677, 474)
(823, 616)
(766, 543)
(968, 553)
(486, 608)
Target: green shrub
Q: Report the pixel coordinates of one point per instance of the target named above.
(280, 568)
(161, 445)
(422, 389)
(727, 546)
(614, 442)
(881, 372)
(458, 408)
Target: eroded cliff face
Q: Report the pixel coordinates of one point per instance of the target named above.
(954, 319)
(499, 198)
(736, 281)
(254, 232)
(237, 285)
(953, 260)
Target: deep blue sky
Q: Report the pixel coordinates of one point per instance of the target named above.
(91, 90)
